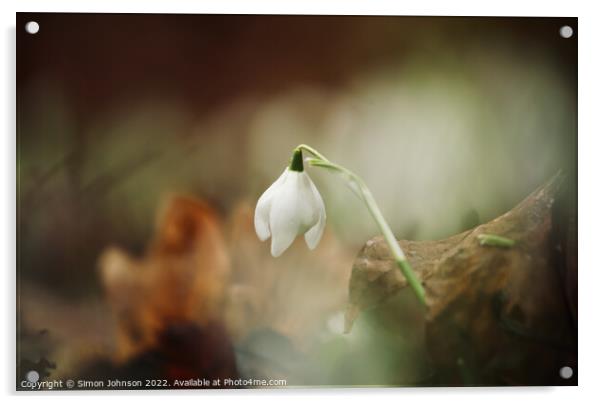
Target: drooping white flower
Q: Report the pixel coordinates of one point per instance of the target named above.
(289, 207)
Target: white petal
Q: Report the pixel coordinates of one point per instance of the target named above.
(313, 235)
(292, 211)
(281, 242)
(262, 210)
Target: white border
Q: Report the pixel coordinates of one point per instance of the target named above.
(590, 202)
(358, 7)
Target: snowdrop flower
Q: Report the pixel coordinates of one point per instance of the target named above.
(292, 205)
(289, 207)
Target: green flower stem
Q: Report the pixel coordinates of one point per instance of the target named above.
(495, 240)
(362, 190)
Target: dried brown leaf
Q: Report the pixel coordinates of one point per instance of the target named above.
(495, 315)
(181, 279)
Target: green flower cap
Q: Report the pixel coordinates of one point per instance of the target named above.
(297, 161)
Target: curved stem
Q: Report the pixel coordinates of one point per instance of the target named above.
(366, 196)
(312, 151)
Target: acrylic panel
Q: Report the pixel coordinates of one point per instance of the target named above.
(277, 201)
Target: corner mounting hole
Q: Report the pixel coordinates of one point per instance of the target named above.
(32, 376)
(566, 372)
(32, 27)
(566, 31)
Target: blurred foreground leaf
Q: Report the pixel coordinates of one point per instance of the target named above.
(167, 304)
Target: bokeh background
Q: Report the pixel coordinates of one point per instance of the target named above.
(450, 121)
